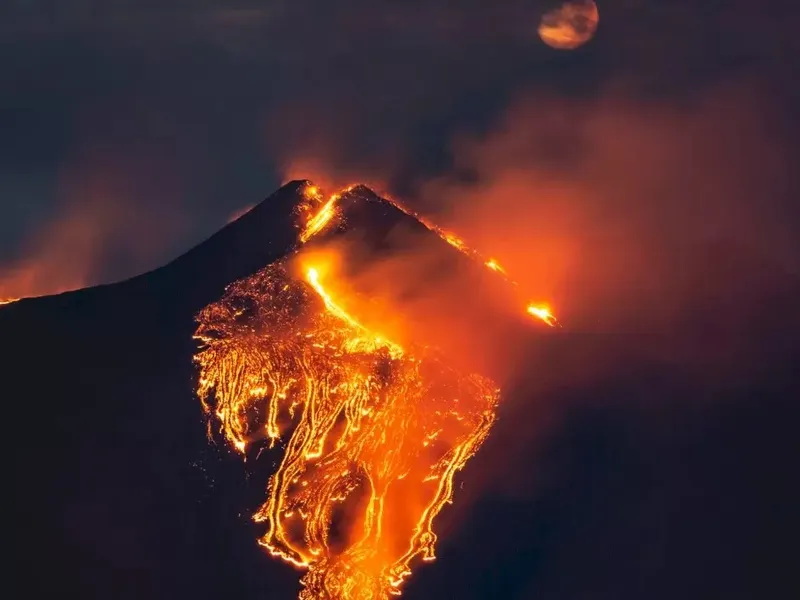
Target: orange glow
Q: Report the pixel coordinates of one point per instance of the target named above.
(374, 342)
(495, 266)
(323, 216)
(371, 433)
(318, 217)
(543, 313)
(455, 241)
(43, 274)
(571, 25)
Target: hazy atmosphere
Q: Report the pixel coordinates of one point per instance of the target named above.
(133, 129)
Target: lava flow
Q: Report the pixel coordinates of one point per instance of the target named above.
(319, 214)
(372, 433)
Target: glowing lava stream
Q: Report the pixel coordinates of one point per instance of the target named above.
(312, 276)
(320, 218)
(371, 433)
(543, 313)
(9, 301)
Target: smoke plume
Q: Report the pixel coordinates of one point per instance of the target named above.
(605, 206)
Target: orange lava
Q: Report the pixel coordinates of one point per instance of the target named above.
(495, 266)
(320, 217)
(543, 313)
(370, 433)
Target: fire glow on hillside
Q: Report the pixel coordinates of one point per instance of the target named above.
(320, 213)
(371, 432)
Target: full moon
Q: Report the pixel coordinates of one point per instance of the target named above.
(570, 26)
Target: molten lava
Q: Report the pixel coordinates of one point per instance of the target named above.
(371, 433)
(318, 215)
(543, 313)
(8, 301)
(495, 266)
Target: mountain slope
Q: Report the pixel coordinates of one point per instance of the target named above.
(618, 468)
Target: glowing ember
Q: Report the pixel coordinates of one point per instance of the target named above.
(318, 217)
(455, 241)
(495, 266)
(543, 313)
(371, 433)
(320, 220)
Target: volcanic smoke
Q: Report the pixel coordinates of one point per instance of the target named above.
(372, 432)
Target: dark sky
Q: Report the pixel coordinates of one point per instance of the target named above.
(132, 129)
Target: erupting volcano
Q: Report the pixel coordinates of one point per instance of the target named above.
(354, 356)
(372, 431)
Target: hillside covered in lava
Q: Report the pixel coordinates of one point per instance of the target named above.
(629, 464)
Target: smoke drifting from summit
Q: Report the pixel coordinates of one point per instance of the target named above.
(601, 203)
(610, 207)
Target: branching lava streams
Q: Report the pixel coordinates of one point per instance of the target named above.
(372, 433)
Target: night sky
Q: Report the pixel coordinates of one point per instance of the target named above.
(131, 130)
(646, 182)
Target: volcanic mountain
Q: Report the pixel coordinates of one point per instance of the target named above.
(617, 467)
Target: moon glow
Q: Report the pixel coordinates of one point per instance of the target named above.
(571, 25)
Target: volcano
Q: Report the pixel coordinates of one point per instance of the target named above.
(618, 468)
